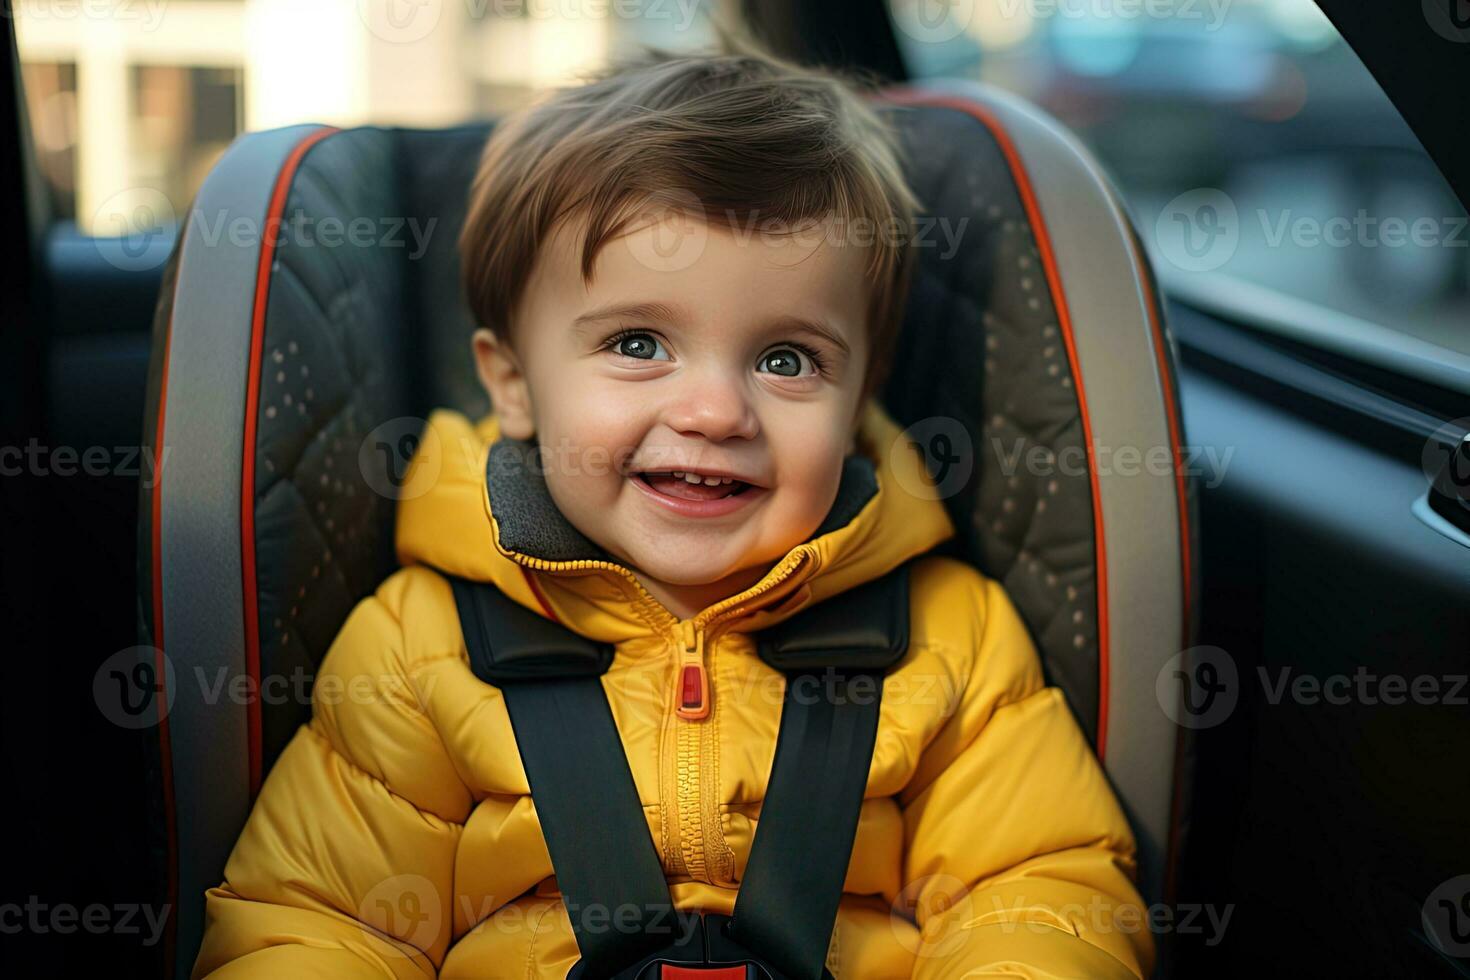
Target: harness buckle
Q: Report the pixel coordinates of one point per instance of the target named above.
(702, 951)
(669, 971)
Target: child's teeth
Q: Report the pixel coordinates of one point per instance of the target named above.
(709, 481)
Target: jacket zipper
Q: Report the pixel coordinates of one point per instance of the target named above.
(697, 815)
(694, 809)
(692, 691)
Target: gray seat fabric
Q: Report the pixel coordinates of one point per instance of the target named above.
(358, 342)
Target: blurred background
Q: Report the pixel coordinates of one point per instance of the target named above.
(1258, 99)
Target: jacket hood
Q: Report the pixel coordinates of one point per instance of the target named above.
(476, 505)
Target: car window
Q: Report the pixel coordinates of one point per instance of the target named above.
(1264, 165)
(130, 104)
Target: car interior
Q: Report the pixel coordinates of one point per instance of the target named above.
(1187, 347)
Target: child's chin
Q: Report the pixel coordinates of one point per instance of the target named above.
(696, 568)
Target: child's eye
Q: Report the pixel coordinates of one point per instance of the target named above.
(785, 361)
(634, 343)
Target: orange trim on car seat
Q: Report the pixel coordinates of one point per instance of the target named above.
(916, 96)
(165, 746)
(247, 469)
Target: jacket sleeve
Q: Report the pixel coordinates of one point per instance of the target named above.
(1018, 859)
(345, 865)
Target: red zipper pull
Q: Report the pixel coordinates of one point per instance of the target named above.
(693, 679)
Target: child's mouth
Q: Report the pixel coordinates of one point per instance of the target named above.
(677, 486)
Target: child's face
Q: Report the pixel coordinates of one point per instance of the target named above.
(709, 378)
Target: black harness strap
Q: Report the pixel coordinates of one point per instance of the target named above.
(834, 655)
(610, 877)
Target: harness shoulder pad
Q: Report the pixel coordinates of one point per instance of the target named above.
(865, 628)
(508, 642)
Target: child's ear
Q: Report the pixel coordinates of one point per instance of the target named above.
(504, 381)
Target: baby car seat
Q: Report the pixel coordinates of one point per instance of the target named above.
(1032, 331)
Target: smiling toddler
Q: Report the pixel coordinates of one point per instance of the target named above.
(688, 277)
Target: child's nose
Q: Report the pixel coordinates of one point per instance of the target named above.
(712, 406)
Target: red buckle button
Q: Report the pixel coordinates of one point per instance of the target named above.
(671, 972)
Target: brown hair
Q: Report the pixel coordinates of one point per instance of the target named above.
(740, 137)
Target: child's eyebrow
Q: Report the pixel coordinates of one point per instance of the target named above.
(667, 314)
(802, 324)
(641, 311)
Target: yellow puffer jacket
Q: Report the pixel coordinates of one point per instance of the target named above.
(395, 836)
